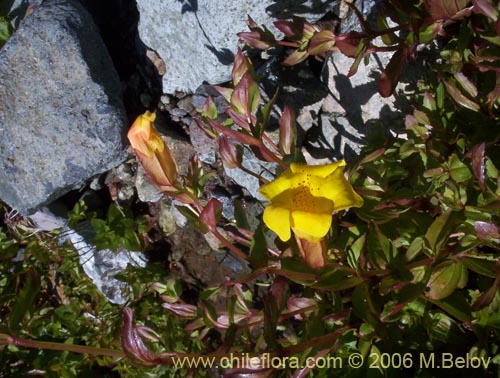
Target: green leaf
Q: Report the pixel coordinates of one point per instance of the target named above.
(25, 299)
(415, 248)
(459, 97)
(258, 249)
(456, 305)
(264, 114)
(382, 24)
(438, 233)
(459, 172)
(481, 265)
(209, 293)
(6, 31)
(240, 215)
(336, 279)
(364, 307)
(445, 279)
(354, 251)
(381, 251)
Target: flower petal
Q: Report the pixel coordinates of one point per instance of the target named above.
(323, 170)
(336, 188)
(300, 199)
(310, 226)
(278, 220)
(282, 183)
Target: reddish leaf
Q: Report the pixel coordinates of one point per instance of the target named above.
(392, 73)
(478, 164)
(287, 130)
(294, 304)
(211, 214)
(230, 154)
(253, 39)
(348, 43)
(279, 290)
(209, 108)
(466, 83)
(183, 310)
(308, 31)
(486, 230)
(241, 66)
(251, 23)
(495, 93)
(485, 7)
(290, 28)
(232, 134)
(246, 95)
(225, 92)
(258, 37)
(443, 9)
(497, 27)
(133, 346)
(459, 97)
(321, 42)
(240, 119)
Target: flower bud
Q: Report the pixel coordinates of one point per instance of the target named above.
(152, 152)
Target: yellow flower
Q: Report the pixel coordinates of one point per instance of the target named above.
(304, 198)
(151, 151)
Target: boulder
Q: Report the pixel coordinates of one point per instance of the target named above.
(62, 119)
(197, 38)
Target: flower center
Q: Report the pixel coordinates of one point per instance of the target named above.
(303, 200)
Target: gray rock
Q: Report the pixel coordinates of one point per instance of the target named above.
(197, 38)
(61, 112)
(350, 22)
(354, 108)
(249, 182)
(102, 266)
(45, 220)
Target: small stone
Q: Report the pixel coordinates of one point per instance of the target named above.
(186, 104)
(146, 191)
(46, 220)
(126, 194)
(96, 184)
(205, 146)
(166, 219)
(176, 112)
(165, 99)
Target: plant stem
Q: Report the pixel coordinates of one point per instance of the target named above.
(82, 349)
(261, 179)
(238, 252)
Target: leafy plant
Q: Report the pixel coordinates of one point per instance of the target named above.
(413, 271)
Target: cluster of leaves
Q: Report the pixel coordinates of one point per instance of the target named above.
(45, 295)
(119, 228)
(9, 19)
(416, 268)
